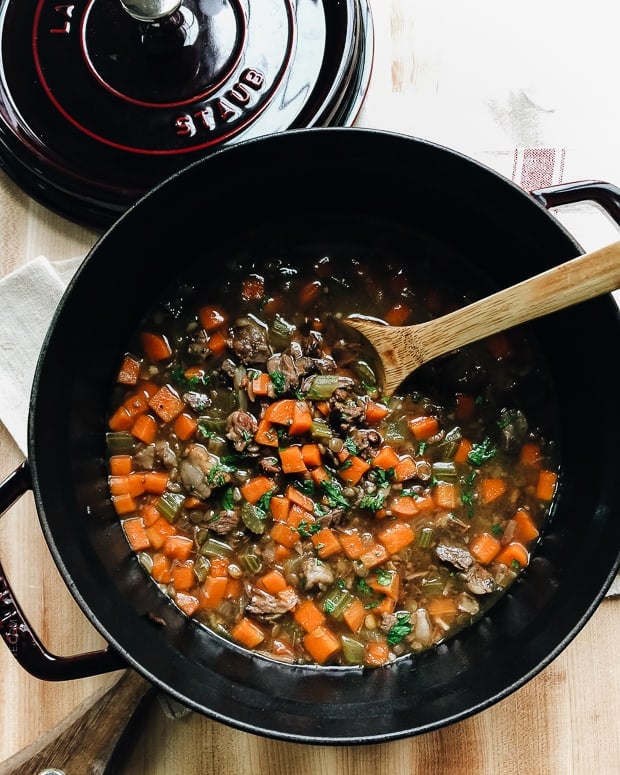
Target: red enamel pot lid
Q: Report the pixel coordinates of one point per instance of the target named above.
(96, 108)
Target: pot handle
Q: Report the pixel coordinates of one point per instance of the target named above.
(17, 633)
(606, 195)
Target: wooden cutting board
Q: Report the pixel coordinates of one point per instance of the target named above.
(564, 721)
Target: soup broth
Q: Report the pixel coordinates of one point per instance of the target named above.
(271, 490)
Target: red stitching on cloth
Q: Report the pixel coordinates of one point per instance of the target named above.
(538, 167)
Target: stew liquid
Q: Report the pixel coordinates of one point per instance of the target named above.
(272, 492)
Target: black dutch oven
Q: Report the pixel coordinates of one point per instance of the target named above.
(298, 183)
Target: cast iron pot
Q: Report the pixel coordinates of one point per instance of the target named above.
(343, 182)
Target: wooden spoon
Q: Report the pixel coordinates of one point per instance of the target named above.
(88, 741)
(403, 349)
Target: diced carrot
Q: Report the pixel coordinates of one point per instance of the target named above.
(147, 388)
(248, 633)
(376, 555)
(166, 403)
(219, 566)
(150, 514)
(124, 503)
(292, 460)
(425, 503)
(159, 531)
(323, 407)
(385, 458)
(195, 373)
(499, 346)
(262, 385)
(156, 482)
(129, 371)
(321, 644)
(545, 487)
(145, 428)
(280, 648)
(211, 317)
(484, 547)
(354, 615)
(283, 534)
(273, 581)
(462, 451)
(183, 577)
(381, 584)
(280, 412)
(530, 455)
(161, 569)
(178, 547)
(351, 544)
(397, 315)
(297, 515)
(465, 406)
(309, 292)
(266, 434)
(490, 489)
(445, 495)
(356, 468)
(136, 534)
(301, 421)
(319, 475)
(396, 536)
(234, 588)
(191, 502)
(311, 455)
(386, 606)
(120, 465)
(376, 653)
(254, 489)
(442, 607)
(525, 530)
(131, 484)
(185, 426)
(406, 469)
(326, 543)
(121, 419)
(279, 506)
(282, 553)
(156, 346)
(189, 604)
(217, 343)
(300, 498)
(423, 427)
(253, 288)
(375, 412)
(212, 592)
(308, 615)
(514, 552)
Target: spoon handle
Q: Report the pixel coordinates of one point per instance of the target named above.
(88, 739)
(574, 281)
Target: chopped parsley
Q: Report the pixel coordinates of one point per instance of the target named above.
(401, 629)
(307, 529)
(333, 493)
(373, 502)
(227, 503)
(482, 452)
(188, 383)
(279, 382)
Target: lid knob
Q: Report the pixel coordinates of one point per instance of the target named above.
(150, 10)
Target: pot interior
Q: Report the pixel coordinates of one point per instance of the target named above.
(378, 191)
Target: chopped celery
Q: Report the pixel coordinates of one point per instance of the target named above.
(352, 650)
(322, 387)
(425, 537)
(201, 569)
(251, 561)
(214, 548)
(336, 602)
(253, 518)
(445, 470)
(280, 332)
(119, 443)
(169, 505)
(320, 429)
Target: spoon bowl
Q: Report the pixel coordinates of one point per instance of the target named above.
(403, 349)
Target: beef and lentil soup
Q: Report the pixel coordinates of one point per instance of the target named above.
(277, 497)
